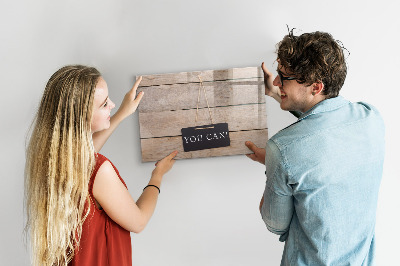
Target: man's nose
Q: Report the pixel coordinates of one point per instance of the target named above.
(277, 81)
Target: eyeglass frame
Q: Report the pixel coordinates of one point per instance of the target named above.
(282, 78)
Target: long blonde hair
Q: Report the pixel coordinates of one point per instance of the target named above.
(59, 161)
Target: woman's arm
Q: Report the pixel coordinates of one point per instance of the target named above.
(128, 107)
(116, 201)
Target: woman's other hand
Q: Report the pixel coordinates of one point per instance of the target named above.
(165, 164)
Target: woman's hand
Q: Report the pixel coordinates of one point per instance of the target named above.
(270, 89)
(131, 101)
(128, 107)
(165, 164)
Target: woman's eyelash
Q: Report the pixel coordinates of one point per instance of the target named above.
(105, 104)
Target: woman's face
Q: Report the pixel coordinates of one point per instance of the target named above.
(102, 106)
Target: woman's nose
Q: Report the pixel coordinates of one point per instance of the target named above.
(112, 105)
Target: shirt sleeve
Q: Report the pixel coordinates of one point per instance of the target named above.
(277, 209)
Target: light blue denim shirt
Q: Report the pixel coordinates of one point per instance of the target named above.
(323, 176)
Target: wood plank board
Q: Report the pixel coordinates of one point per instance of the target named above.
(170, 123)
(172, 102)
(207, 75)
(220, 93)
(151, 150)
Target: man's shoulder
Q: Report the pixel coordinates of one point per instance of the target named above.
(323, 122)
(368, 114)
(367, 108)
(288, 135)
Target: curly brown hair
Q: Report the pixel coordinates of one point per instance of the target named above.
(314, 57)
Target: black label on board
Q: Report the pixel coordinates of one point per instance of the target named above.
(205, 137)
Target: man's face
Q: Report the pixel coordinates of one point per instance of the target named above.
(294, 96)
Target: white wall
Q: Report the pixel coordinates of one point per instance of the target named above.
(208, 208)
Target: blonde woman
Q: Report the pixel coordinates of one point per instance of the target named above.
(78, 207)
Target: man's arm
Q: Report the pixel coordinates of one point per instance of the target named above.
(276, 211)
(270, 89)
(261, 203)
(276, 205)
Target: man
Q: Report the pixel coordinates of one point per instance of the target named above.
(323, 171)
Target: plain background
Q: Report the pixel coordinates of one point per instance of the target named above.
(208, 208)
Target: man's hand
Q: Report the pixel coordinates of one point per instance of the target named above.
(259, 153)
(270, 89)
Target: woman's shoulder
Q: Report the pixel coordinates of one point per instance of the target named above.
(105, 167)
(99, 161)
(100, 158)
(102, 164)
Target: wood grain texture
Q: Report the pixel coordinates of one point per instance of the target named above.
(157, 148)
(184, 96)
(170, 123)
(207, 75)
(235, 96)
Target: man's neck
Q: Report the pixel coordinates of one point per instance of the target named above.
(316, 100)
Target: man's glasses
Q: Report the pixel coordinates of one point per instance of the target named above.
(282, 78)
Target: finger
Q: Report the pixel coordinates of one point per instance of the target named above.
(136, 85)
(251, 156)
(139, 97)
(251, 146)
(172, 155)
(138, 80)
(265, 69)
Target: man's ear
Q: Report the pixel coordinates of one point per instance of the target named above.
(317, 88)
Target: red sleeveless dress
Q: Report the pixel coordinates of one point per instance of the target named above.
(103, 241)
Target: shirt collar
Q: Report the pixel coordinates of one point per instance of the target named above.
(325, 106)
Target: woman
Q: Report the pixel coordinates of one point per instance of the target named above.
(78, 207)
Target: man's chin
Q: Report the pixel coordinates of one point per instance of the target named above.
(284, 108)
